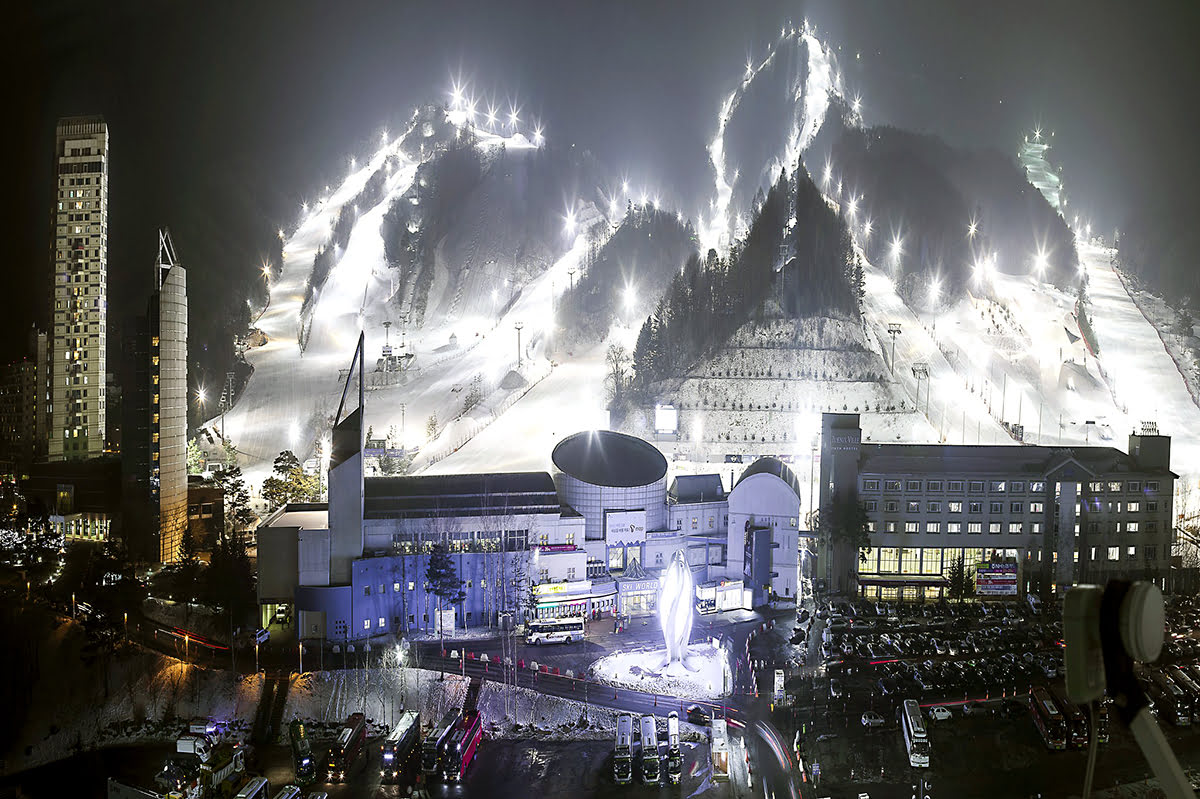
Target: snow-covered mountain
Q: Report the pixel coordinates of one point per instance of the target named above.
(466, 240)
(765, 123)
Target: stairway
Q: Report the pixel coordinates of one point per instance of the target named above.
(277, 706)
(261, 732)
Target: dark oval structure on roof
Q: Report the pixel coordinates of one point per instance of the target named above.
(769, 465)
(608, 458)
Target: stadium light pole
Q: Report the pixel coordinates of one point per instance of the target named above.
(893, 330)
(921, 372)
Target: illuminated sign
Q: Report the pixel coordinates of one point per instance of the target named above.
(996, 578)
(666, 419)
(625, 527)
(574, 587)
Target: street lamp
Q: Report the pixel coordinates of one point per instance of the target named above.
(518, 326)
(256, 657)
(186, 638)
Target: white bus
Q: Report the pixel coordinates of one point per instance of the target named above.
(256, 788)
(623, 752)
(651, 764)
(916, 737)
(554, 631)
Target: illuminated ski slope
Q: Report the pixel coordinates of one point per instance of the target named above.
(810, 97)
(1143, 374)
(287, 391)
(291, 397)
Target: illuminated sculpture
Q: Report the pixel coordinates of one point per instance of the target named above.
(676, 595)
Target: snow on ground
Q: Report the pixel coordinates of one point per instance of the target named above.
(570, 399)
(326, 698)
(707, 674)
(134, 696)
(379, 693)
(291, 396)
(1144, 376)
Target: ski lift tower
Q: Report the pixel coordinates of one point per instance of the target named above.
(387, 347)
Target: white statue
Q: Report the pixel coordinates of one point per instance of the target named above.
(676, 596)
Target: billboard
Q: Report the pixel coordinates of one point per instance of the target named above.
(996, 578)
(623, 527)
(666, 419)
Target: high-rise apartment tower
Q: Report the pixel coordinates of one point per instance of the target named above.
(79, 290)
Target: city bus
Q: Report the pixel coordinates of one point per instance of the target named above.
(432, 748)
(302, 761)
(461, 746)
(256, 788)
(344, 752)
(1048, 719)
(651, 764)
(623, 752)
(1169, 698)
(401, 755)
(1074, 717)
(916, 736)
(720, 751)
(554, 631)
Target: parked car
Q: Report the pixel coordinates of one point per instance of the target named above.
(835, 687)
(872, 719)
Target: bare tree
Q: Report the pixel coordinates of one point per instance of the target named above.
(616, 362)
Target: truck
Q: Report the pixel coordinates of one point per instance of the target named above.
(223, 771)
(401, 755)
(433, 747)
(651, 765)
(302, 760)
(720, 751)
(623, 752)
(346, 748)
(191, 743)
(674, 754)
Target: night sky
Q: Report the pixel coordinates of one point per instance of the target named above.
(224, 116)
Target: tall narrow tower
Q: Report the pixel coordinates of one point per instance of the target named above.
(79, 290)
(168, 316)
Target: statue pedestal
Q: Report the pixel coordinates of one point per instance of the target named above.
(704, 673)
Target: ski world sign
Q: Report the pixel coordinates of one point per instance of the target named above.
(625, 527)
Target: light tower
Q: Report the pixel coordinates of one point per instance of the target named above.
(518, 326)
(893, 330)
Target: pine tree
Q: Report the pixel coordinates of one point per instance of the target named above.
(443, 582)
